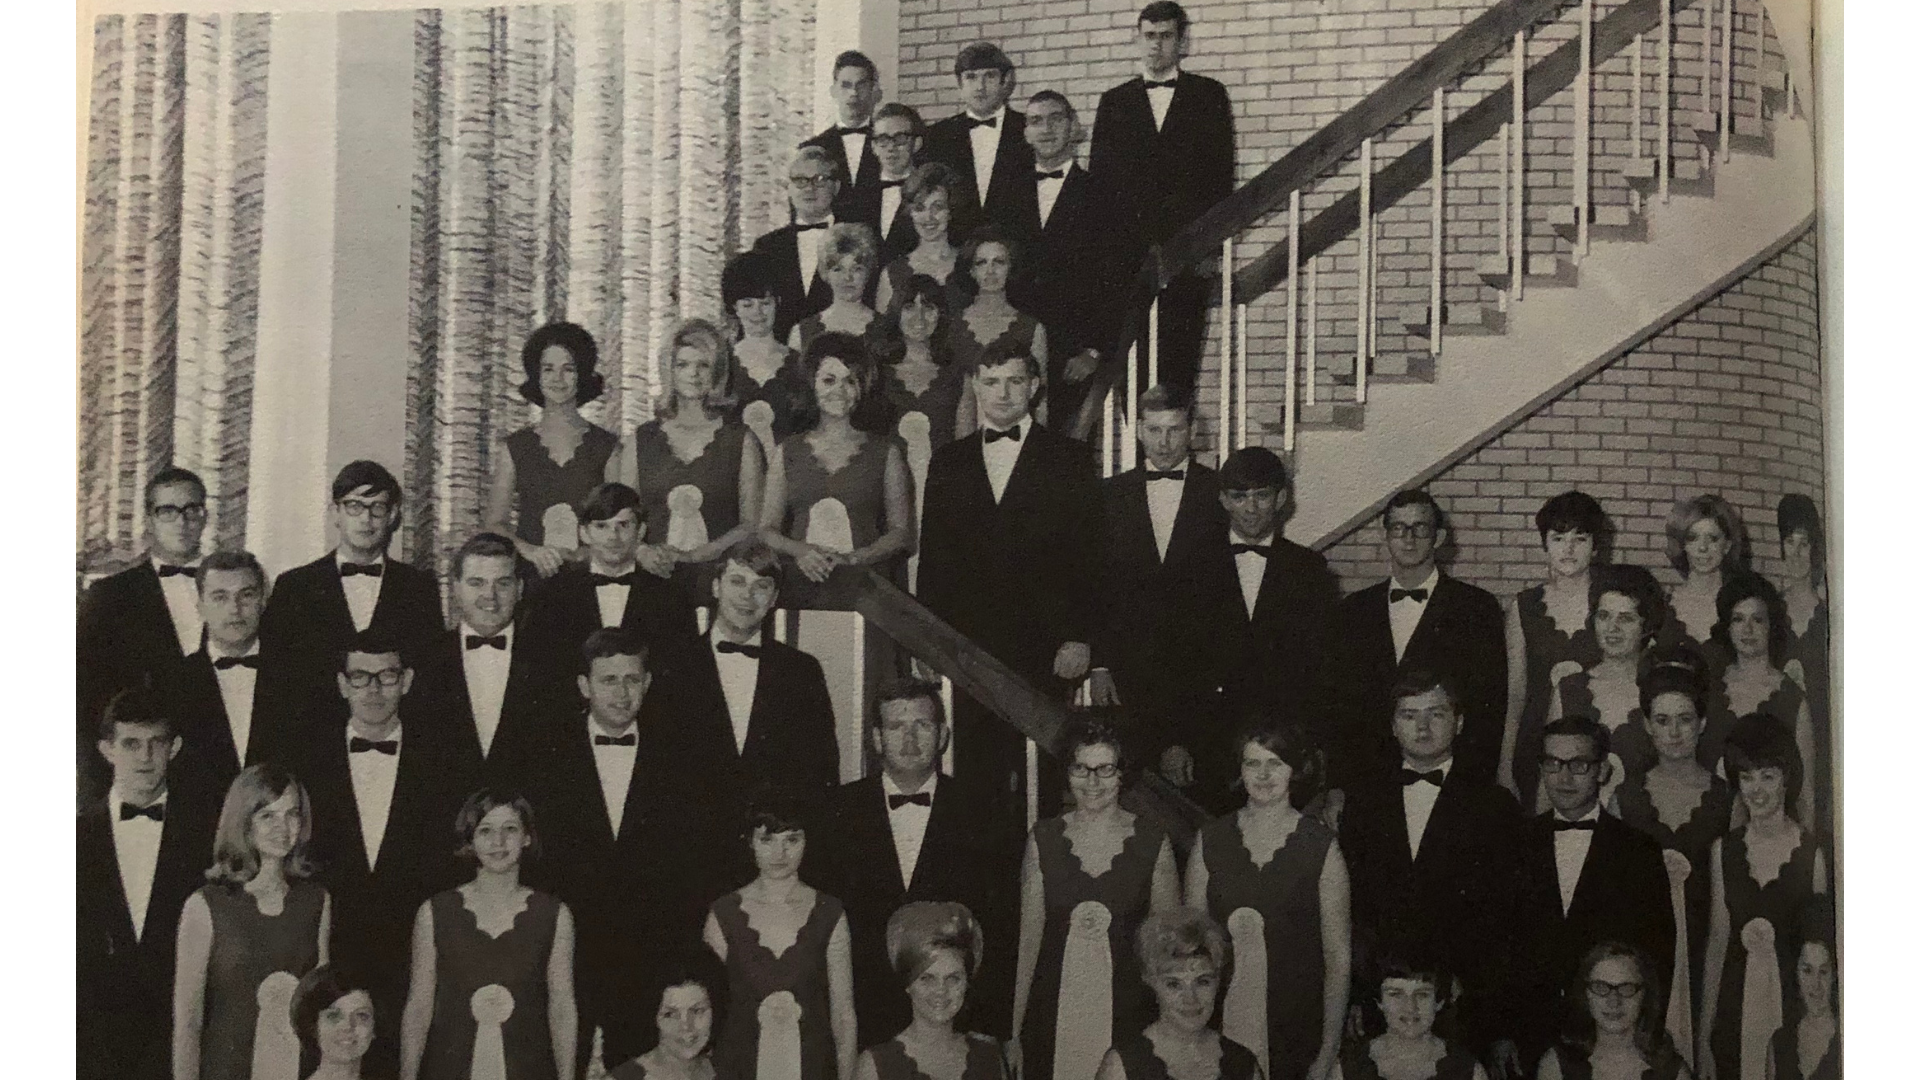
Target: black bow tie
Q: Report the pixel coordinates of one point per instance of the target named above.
(371, 569)
(1261, 550)
(752, 651)
(1583, 826)
(885, 184)
(797, 227)
(868, 130)
(629, 739)
(1170, 474)
(613, 579)
(918, 798)
(1408, 777)
(991, 436)
(975, 122)
(358, 745)
(226, 662)
(1163, 84)
(497, 641)
(156, 812)
(176, 571)
(1057, 174)
(1418, 596)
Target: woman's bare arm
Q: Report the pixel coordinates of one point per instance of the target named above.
(1516, 696)
(193, 946)
(417, 1018)
(563, 1013)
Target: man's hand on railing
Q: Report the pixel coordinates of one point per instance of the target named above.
(1100, 688)
(1082, 364)
(1176, 764)
(1071, 662)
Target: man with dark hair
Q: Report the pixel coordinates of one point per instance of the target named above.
(849, 142)
(315, 610)
(985, 142)
(910, 833)
(141, 851)
(1010, 556)
(897, 137)
(1432, 855)
(1418, 618)
(793, 250)
(136, 626)
(1163, 143)
(232, 710)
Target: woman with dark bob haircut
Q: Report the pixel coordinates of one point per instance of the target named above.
(1547, 627)
(1803, 585)
(492, 986)
(1275, 878)
(550, 465)
(1807, 1046)
(1624, 616)
(1183, 957)
(1764, 874)
(333, 1016)
(688, 996)
(935, 949)
(1411, 998)
(988, 262)
(767, 371)
(1614, 1020)
(1753, 637)
(1705, 542)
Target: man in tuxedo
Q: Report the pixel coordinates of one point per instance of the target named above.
(793, 250)
(1010, 541)
(897, 135)
(1585, 877)
(1159, 516)
(141, 851)
(856, 90)
(1163, 141)
(136, 626)
(1432, 856)
(316, 610)
(384, 792)
(912, 833)
(231, 710)
(1260, 606)
(985, 143)
(1418, 618)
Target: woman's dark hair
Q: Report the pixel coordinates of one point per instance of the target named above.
(1649, 1031)
(1815, 926)
(1676, 668)
(1575, 512)
(319, 989)
(1291, 745)
(696, 967)
(1099, 726)
(1421, 967)
(1759, 741)
(586, 358)
(1798, 513)
(484, 802)
(748, 276)
(851, 351)
(1739, 588)
(893, 346)
(1636, 583)
(777, 813)
(980, 237)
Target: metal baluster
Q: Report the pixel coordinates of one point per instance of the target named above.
(1506, 194)
(1129, 448)
(1666, 98)
(1518, 178)
(1706, 72)
(1289, 405)
(1373, 290)
(1583, 133)
(1366, 265)
(859, 687)
(1108, 452)
(1033, 784)
(1726, 82)
(1434, 298)
(1226, 342)
(1241, 335)
(1313, 328)
(1153, 344)
(1639, 97)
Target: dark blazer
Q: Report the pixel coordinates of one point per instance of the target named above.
(797, 299)
(1020, 577)
(1462, 634)
(1072, 277)
(124, 985)
(1165, 178)
(441, 699)
(900, 238)
(208, 758)
(1621, 896)
(563, 610)
(125, 638)
(1451, 903)
(949, 142)
(858, 181)
(960, 860)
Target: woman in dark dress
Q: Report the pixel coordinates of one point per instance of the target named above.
(1088, 879)
(1764, 874)
(935, 949)
(689, 999)
(928, 193)
(248, 936)
(548, 467)
(1546, 627)
(789, 964)
(848, 256)
(492, 987)
(1624, 616)
(767, 382)
(1275, 878)
(1410, 998)
(1752, 633)
(1614, 1032)
(1705, 542)
(1803, 586)
(1807, 1046)
(334, 1020)
(919, 385)
(988, 261)
(1182, 956)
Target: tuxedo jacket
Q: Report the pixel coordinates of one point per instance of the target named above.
(961, 860)
(1268, 661)
(209, 759)
(124, 983)
(1462, 634)
(1450, 904)
(1621, 896)
(950, 142)
(306, 624)
(564, 610)
(797, 299)
(858, 180)
(1073, 275)
(899, 239)
(1164, 178)
(125, 639)
(1021, 576)
(441, 699)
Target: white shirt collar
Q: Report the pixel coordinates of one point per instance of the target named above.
(887, 785)
(158, 562)
(1238, 539)
(715, 637)
(340, 559)
(1148, 76)
(1181, 467)
(215, 651)
(115, 798)
(1023, 422)
(594, 567)
(1592, 814)
(1445, 767)
(595, 727)
(465, 630)
(997, 115)
(398, 730)
(1432, 581)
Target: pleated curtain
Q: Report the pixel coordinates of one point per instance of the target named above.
(597, 163)
(176, 155)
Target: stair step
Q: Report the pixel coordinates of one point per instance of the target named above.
(1749, 136)
(1689, 177)
(1398, 367)
(1495, 270)
(1551, 272)
(1341, 415)
(1603, 223)
(1466, 320)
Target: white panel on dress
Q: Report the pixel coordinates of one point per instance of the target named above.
(561, 527)
(686, 525)
(492, 1005)
(1760, 1004)
(1680, 1001)
(1083, 1025)
(778, 1055)
(829, 526)
(276, 1049)
(1243, 1018)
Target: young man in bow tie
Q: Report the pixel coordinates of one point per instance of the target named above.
(793, 250)
(897, 137)
(856, 90)
(985, 142)
(232, 709)
(1417, 618)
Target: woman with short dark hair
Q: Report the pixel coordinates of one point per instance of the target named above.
(1411, 999)
(988, 262)
(333, 1017)
(1624, 617)
(1752, 636)
(1546, 627)
(935, 949)
(1182, 958)
(1803, 586)
(768, 384)
(688, 996)
(1806, 1047)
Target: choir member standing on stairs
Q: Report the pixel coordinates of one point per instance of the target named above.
(985, 142)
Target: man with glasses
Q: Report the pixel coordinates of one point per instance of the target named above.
(897, 135)
(1585, 877)
(1417, 618)
(793, 250)
(855, 90)
(136, 626)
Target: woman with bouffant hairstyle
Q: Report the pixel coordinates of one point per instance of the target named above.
(1183, 959)
(935, 949)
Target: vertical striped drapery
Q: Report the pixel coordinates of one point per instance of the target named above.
(592, 162)
(176, 155)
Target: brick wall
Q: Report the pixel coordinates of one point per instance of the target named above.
(1725, 400)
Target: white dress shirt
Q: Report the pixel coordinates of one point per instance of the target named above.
(615, 766)
(1570, 848)
(612, 598)
(1417, 800)
(1403, 615)
(373, 774)
(363, 591)
(890, 197)
(236, 693)
(1160, 98)
(739, 674)
(855, 144)
(1251, 568)
(1048, 189)
(1002, 455)
(183, 606)
(136, 846)
(486, 669)
(1163, 506)
(909, 824)
(986, 147)
(807, 242)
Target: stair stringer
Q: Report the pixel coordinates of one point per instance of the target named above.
(1628, 291)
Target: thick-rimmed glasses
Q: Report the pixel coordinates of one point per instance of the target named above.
(810, 181)
(355, 508)
(1104, 772)
(167, 514)
(386, 677)
(1577, 766)
(904, 138)
(1625, 991)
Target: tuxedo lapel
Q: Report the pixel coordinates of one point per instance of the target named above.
(1029, 469)
(1428, 634)
(335, 773)
(332, 600)
(1433, 842)
(1195, 494)
(944, 824)
(1273, 583)
(879, 845)
(759, 724)
(1602, 854)
(100, 862)
(212, 728)
(1134, 520)
(411, 783)
(149, 600)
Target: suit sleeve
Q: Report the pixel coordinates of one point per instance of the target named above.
(1486, 665)
(940, 538)
(1086, 535)
(1216, 167)
(818, 769)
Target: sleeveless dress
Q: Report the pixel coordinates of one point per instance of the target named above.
(814, 325)
(1810, 649)
(1357, 1063)
(784, 392)
(899, 274)
(547, 491)
(1786, 1056)
(1756, 913)
(1138, 1058)
(1090, 924)
(688, 503)
(891, 1062)
(841, 511)
(1575, 1066)
(939, 403)
(1275, 1002)
(1676, 632)
(478, 978)
(1627, 731)
(967, 349)
(255, 963)
(778, 1015)
(1547, 647)
(1783, 705)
